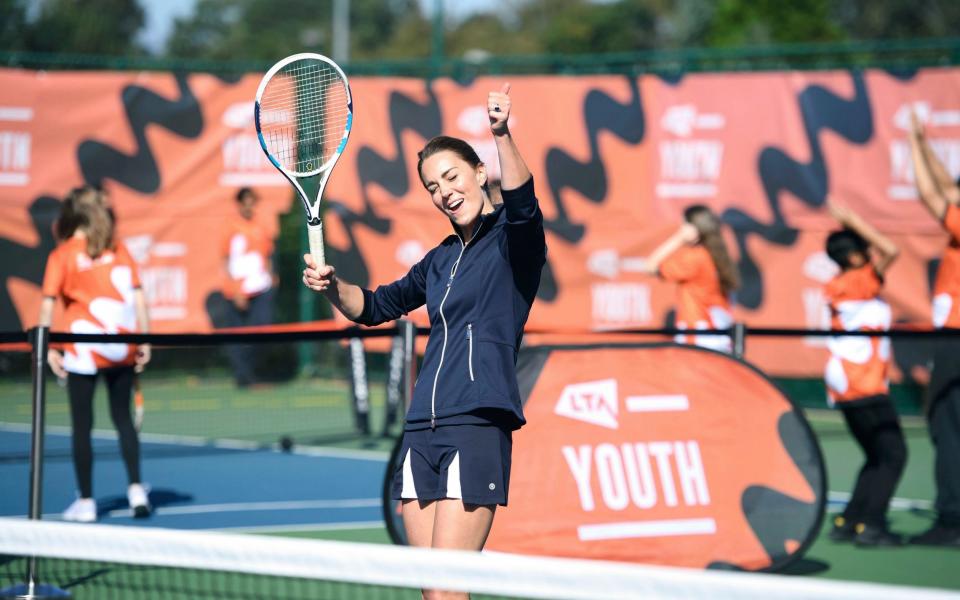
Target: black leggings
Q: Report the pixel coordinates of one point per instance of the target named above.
(119, 387)
(876, 428)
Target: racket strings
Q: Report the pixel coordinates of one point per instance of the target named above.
(304, 114)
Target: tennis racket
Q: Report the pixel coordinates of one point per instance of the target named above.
(303, 114)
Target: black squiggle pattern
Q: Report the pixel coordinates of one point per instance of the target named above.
(143, 107)
(821, 110)
(600, 112)
(26, 262)
(390, 173)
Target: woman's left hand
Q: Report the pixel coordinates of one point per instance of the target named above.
(142, 358)
(498, 108)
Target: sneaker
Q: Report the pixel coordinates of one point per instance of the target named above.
(876, 536)
(139, 503)
(938, 535)
(83, 510)
(843, 530)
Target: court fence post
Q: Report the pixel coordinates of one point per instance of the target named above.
(739, 335)
(39, 339)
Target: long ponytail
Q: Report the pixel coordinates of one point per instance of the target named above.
(708, 225)
(85, 209)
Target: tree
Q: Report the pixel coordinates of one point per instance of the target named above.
(758, 22)
(90, 27)
(12, 25)
(260, 30)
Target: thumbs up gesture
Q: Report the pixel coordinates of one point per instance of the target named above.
(498, 108)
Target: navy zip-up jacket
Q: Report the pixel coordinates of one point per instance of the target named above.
(478, 297)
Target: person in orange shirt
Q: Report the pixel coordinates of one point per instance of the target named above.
(857, 375)
(695, 257)
(97, 280)
(941, 197)
(247, 251)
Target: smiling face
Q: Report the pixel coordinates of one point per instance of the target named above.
(456, 188)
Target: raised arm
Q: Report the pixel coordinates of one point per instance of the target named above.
(931, 193)
(513, 170)
(884, 249)
(685, 234)
(947, 185)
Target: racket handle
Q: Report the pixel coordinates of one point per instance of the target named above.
(315, 237)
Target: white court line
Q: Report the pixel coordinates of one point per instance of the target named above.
(226, 507)
(661, 403)
(895, 503)
(345, 525)
(643, 529)
(225, 443)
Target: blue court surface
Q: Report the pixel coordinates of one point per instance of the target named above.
(197, 484)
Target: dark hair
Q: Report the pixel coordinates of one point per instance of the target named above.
(244, 192)
(70, 218)
(443, 143)
(841, 244)
(708, 226)
(85, 207)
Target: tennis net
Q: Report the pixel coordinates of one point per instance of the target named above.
(101, 561)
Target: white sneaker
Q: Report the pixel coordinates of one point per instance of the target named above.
(83, 510)
(139, 503)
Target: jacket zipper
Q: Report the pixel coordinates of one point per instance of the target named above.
(470, 349)
(443, 318)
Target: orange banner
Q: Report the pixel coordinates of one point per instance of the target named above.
(638, 454)
(615, 158)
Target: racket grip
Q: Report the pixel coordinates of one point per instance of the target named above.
(315, 237)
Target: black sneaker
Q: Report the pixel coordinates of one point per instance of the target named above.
(843, 530)
(938, 535)
(875, 536)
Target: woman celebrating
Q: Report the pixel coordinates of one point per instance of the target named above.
(98, 282)
(478, 285)
(695, 257)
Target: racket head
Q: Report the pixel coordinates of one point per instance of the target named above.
(303, 114)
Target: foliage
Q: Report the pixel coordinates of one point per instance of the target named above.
(105, 27)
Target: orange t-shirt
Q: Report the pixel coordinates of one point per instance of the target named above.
(946, 289)
(858, 367)
(98, 298)
(247, 249)
(698, 288)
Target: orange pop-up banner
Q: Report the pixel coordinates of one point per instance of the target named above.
(659, 454)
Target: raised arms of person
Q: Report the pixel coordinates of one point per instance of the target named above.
(513, 169)
(884, 249)
(932, 194)
(685, 234)
(948, 186)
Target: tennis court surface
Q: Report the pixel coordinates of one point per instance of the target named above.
(213, 458)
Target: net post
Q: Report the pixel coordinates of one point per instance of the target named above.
(739, 338)
(395, 382)
(409, 333)
(32, 589)
(359, 385)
